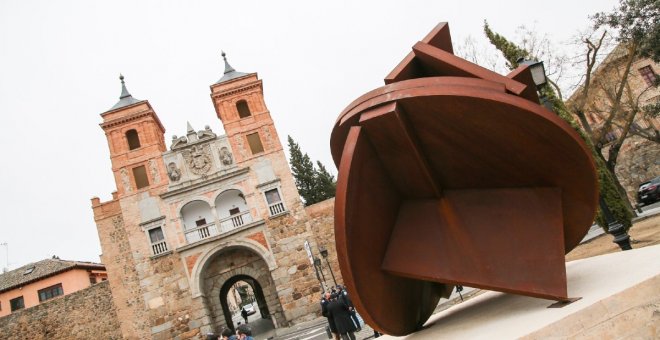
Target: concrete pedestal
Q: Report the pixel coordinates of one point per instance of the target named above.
(620, 299)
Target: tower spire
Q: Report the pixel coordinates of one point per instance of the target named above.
(124, 90)
(228, 67)
(230, 72)
(125, 98)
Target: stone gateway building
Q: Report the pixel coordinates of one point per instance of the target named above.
(190, 220)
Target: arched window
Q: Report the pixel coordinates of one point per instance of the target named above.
(243, 109)
(133, 139)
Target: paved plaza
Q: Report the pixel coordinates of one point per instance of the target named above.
(646, 232)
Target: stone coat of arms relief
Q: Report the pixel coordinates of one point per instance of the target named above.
(198, 159)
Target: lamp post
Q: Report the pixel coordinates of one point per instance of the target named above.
(324, 253)
(317, 266)
(538, 75)
(614, 227)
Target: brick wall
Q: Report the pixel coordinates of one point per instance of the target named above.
(85, 314)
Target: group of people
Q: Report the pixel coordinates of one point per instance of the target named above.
(338, 308)
(243, 332)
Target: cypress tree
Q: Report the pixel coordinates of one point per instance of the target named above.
(314, 185)
(303, 172)
(325, 182)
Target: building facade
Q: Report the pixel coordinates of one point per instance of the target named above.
(190, 220)
(639, 156)
(42, 281)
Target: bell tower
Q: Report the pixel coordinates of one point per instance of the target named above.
(238, 99)
(239, 102)
(136, 142)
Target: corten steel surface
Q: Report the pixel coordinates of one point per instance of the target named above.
(453, 174)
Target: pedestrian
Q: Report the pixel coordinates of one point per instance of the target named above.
(244, 314)
(211, 336)
(228, 334)
(324, 311)
(343, 294)
(341, 316)
(244, 332)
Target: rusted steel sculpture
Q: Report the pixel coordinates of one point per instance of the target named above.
(453, 174)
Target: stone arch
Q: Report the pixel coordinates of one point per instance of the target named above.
(222, 266)
(204, 259)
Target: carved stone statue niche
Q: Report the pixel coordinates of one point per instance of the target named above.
(225, 156)
(173, 172)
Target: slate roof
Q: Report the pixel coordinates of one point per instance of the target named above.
(42, 269)
(125, 98)
(230, 73)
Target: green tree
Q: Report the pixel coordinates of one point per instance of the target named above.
(608, 188)
(325, 182)
(303, 172)
(314, 185)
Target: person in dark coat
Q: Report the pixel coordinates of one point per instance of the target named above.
(244, 314)
(324, 311)
(341, 315)
(343, 295)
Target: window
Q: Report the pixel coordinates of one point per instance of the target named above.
(157, 239)
(275, 204)
(255, 143)
(133, 139)
(200, 222)
(92, 280)
(243, 109)
(29, 270)
(140, 175)
(17, 303)
(648, 75)
(50, 292)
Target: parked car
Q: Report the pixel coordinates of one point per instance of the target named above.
(249, 308)
(649, 191)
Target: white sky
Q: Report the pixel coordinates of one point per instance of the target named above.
(60, 62)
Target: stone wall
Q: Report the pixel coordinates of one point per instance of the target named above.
(638, 161)
(322, 222)
(85, 314)
(295, 280)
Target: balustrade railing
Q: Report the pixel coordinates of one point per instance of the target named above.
(276, 208)
(159, 248)
(210, 229)
(201, 232)
(235, 221)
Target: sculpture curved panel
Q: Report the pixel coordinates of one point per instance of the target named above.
(452, 174)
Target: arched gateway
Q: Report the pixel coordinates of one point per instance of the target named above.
(222, 270)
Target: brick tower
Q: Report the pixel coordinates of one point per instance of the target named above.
(135, 138)
(238, 99)
(136, 144)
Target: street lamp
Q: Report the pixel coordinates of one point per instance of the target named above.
(317, 265)
(324, 253)
(614, 227)
(537, 69)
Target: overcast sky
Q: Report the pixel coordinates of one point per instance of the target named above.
(60, 62)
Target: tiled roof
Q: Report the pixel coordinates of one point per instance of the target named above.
(39, 270)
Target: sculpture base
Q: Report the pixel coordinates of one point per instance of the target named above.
(617, 301)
